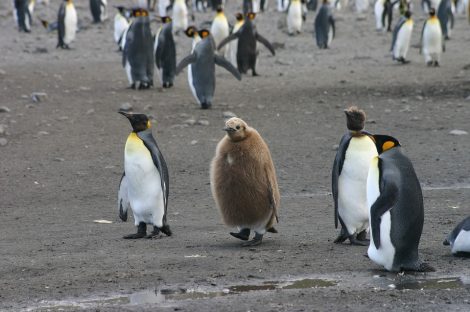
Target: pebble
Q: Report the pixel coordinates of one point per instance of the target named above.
(2, 129)
(228, 115)
(190, 122)
(260, 106)
(59, 159)
(419, 98)
(405, 109)
(148, 107)
(82, 88)
(203, 122)
(467, 98)
(4, 109)
(335, 147)
(458, 132)
(127, 107)
(90, 111)
(2, 72)
(3, 141)
(371, 121)
(388, 110)
(193, 142)
(43, 133)
(38, 97)
(415, 118)
(62, 118)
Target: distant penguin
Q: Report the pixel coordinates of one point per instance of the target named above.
(282, 5)
(401, 38)
(220, 29)
(396, 211)
(202, 61)
(165, 53)
(67, 24)
(361, 5)
(383, 11)
(144, 186)
(311, 5)
(120, 25)
(98, 10)
(432, 41)
(294, 17)
(459, 239)
(349, 179)
(180, 16)
(234, 43)
(22, 15)
(445, 15)
(137, 57)
(163, 7)
(324, 26)
(247, 50)
(192, 32)
(244, 183)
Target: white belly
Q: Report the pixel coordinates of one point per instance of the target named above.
(220, 31)
(104, 13)
(70, 23)
(462, 242)
(378, 11)
(403, 40)
(162, 5)
(180, 16)
(294, 18)
(120, 26)
(432, 39)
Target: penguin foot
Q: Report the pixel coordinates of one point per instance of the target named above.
(244, 234)
(167, 85)
(402, 60)
(272, 230)
(141, 232)
(166, 230)
(257, 240)
(430, 63)
(341, 238)
(355, 241)
(436, 64)
(155, 233)
(362, 236)
(206, 105)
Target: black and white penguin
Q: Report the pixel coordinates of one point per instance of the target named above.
(22, 14)
(324, 26)
(349, 179)
(220, 29)
(137, 57)
(459, 239)
(98, 10)
(294, 17)
(432, 41)
(180, 15)
(165, 53)
(401, 38)
(383, 10)
(247, 50)
(445, 15)
(234, 43)
(144, 186)
(67, 24)
(121, 24)
(202, 61)
(396, 210)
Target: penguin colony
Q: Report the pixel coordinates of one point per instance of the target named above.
(375, 188)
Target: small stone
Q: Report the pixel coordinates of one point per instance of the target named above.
(193, 142)
(388, 110)
(404, 100)
(335, 147)
(59, 159)
(260, 106)
(90, 111)
(63, 118)
(308, 113)
(2, 129)
(405, 109)
(321, 101)
(38, 97)
(419, 98)
(2, 72)
(467, 98)
(203, 122)
(40, 133)
(415, 118)
(39, 50)
(3, 141)
(148, 107)
(183, 115)
(82, 88)
(371, 121)
(4, 109)
(126, 107)
(458, 132)
(190, 122)
(228, 115)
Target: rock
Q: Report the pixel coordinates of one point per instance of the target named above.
(126, 107)
(467, 98)
(278, 45)
(415, 118)
(63, 118)
(2, 72)
(260, 106)
(2, 129)
(458, 132)
(193, 142)
(38, 97)
(190, 122)
(308, 113)
(82, 88)
(203, 122)
(59, 159)
(41, 133)
(148, 107)
(4, 109)
(39, 50)
(419, 98)
(90, 111)
(371, 121)
(388, 110)
(404, 100)
(335, 147)
(228, 115)
(405, 109)
(3, 141)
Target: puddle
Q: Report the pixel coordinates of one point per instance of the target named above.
(438, 283)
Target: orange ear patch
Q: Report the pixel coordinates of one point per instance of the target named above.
(387, 145)
(251, 15)
(204, 33)
(149, 124)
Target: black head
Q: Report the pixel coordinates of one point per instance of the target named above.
(203, 33)
(432, 12)
(408, 14)
(385, 142)
(220, 9)
(355, 118)
(166, 19)
(239, 16)
(190, 31)
(139, 122)
(121, 9)
(251, 15)
(139, 12)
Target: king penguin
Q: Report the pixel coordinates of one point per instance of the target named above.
(234, 43)
(383, 10)
(243, 182)
(22, 14)
(247, 50)
(98, 10)
(144, 185)
(120, 26)
(294, 17)
(67, 24)
(401, 38)
(349, 179)
(220, 29)
(324, 26)
(445, 15)
(432, 41)
(459, 239)
(180, 16)
(202, 61)
(396, 211)
(165, 53)
(137, 57)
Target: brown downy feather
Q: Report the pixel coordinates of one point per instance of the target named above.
(355, 118)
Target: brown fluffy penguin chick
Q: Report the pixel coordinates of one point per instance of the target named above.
(355, 118)
(243, 182)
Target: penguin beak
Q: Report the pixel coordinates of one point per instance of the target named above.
(125, 114)
(229, 129)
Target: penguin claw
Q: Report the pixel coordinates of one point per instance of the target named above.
(253, 242)
(239, 236)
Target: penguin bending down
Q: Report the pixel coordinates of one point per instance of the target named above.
(234, 43)
(98, 10)
(137, 57)
(324, 26)
(349, 179)
(202, 61)
(247, 50)
(294, 17)
(432, 43)
(144, 185)
(402, 37)
(165, 53)
(67, 24)
(220, 29)
(120, 26)
(243, 182)
(396, 211)
(180, 15)
(445, 15)
(459, 239)
(22, 15)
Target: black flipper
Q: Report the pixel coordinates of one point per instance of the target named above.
(123, 199)
(61, 26)
(185, 62)
(401, 22)
(337, 168)
(422, 33)
(228, 39)
(266, 43)
(244, 234)
(159, 51)
(222, 62)
(332, 24)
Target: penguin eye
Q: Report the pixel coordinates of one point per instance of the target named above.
(238, 127)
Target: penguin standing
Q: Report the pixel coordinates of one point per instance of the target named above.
(294, 17)
(165, 53)
(163, 7)
(192, 32)
(243, 182)
(137, 57)
(98, 10)
(459, 239)
(383, 10)
(22, 14)
(396, 211)
(144, 185)
(247, 50)
(282, 5)
(220, 29)
(446, 17)
(120, 25)
(180, 15)
(349, 179)
(202, 61)
(432, 43)
(67, 24)
(324, 26)
(401, 38)
(234, 43)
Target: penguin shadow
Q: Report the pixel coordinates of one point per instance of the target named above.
(228, 244)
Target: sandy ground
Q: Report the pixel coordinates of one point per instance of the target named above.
(63, 158)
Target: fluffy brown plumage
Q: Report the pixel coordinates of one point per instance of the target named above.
(355, 118)
(243, 180)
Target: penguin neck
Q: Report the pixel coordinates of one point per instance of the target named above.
(356, 133)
